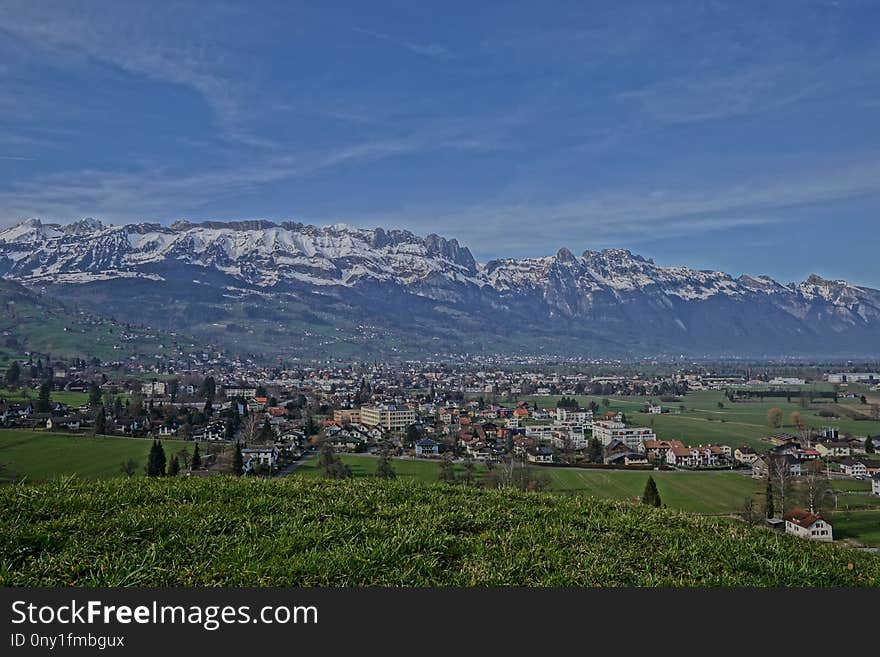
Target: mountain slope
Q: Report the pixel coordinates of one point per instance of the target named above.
(38, 324)
(368, 532)
(297, 288)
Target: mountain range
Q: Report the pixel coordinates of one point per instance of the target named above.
(296, 289)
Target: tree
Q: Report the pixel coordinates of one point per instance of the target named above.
(413, 434)
(769, 509)
(385, 470)
(651, 496)
(94, 395)
(595, 453)
(156, 460)
(128, 467)
(781, 474)
(100, 421)
(13, 375)
(266, 434)
(250, 428)
(796, 420)
(869, 445)
(469, 477)
(196, 462)
(44, 401)
(774, 417)
(815, 485)
(748, 511)
(447, 470)
(237, 461)
(173, 466)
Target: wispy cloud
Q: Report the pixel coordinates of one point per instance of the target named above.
(432, 50)
(612, 216)
(143, 41)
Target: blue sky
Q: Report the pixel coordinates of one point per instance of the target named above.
(739, 136)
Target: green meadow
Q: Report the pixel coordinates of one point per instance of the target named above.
(41, 455)
(298, 531)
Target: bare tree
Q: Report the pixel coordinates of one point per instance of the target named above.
(780, 473)
(250, 428)
(815, 485)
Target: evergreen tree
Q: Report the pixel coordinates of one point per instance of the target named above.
(94, 394)
(173, 466)
(100, 421)
(266, 433)
(237, 461)
(156, 460)
(651, 496)
(128, 467)
(13, 375)
(595, 450)
(869, 445)
(769, 511)
(44, 401)
(385, 470)
(196, 462)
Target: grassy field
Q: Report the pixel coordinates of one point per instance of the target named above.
(40, 455)
(365, 532)
(63, 397)
(863, 526)
(699, 492)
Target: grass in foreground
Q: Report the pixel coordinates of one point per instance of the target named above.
(302, 532)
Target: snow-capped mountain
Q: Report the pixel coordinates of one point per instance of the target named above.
(610, 300)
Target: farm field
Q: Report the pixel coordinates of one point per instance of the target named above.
(41, 455)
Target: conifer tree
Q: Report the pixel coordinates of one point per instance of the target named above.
(769, 511)
(173, 466)
(196, 462)
(651, 496)
(156, 460)
(237, 461)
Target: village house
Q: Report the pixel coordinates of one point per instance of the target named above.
(540, 454)
(253, 456)
(761, 466)
(875, 485)
(833, 448)
(427, 447)
(657, 449)
(608, 430)
(68, 422)
(707, 456)
(745, 454)
(853, 468)
(807, 525)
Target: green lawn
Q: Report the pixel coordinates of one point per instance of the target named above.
(69, 398)
(39, 455)
(863, 526)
